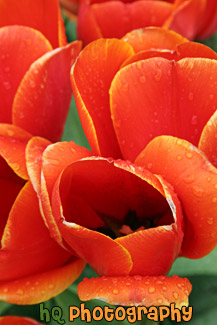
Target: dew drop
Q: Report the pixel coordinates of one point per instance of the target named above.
(142, 79)
(160, 301)
(51, 286)
(189, 180)
(158, 75)
(164, 288)
(115, 291)
(197, 191)
(211, 96)
(15, 166)
(151, 290)
(19, 292)
(214, 200)
(32, 83)
(149, 165)
(175, 295)
(179, 157)
(189, 155)
(128, 283)
(137, 277)
(190, 96)
(5, 290)
(7, 85)
(194, 120)
(10, 133)
(215, 186)
(125, 86)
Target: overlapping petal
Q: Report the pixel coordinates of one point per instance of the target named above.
(174, 98)
(137, 290)
(91, 78)
(42, 15)
(15, 320)
(194, 180)
(42, 100)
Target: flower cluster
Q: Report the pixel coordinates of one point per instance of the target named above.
(146, 192)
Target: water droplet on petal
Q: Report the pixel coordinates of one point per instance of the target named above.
(32, 83)
(151, 290)
(190, 96)
(19, 292)
(7, 85)
(194, 120)
(115, 291)
(137, 277)
(189, 179)
(214, 200)
(189, 155)
(175, 295)
(179, 157)
(142, 79)
(158, 75)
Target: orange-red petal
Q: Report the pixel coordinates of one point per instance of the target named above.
(208, 24)
(137, 290)
(43, 15)
(42, 100)
(186, 16)
(39, 287)
(208, 139)
(195, 181)
(157, 96)
(91, 78)
(20, 47)
(156, 246)
(13, 141)
(153, 38)
(15, 320)
(26, 241)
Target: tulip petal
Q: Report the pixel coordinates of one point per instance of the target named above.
(186, 16)
(147, 247)
(104, 255)
(43, 15)
(34, 151)
(42, 100)
(137, 290)
(91, 78)
(13, 141)
(26, 241)
(156, 96)
(15, 320)
(153, 38)
(43, 286)
(55, 158)
(208, 24)
(189, 49)
(195, 181)
(208, 139)
(129, 16)
(20, 47)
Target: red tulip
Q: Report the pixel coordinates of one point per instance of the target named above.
(191, 18)
(35, 92)
(15, 320)
(150, 100)
(33, 267)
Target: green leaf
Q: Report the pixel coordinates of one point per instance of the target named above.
(73, 129)
(211, 42)
(70, 28)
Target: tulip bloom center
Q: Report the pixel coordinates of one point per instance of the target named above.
(112, 199)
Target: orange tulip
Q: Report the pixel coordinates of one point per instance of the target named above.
(35, 93)
(33, 267)
(191, 18)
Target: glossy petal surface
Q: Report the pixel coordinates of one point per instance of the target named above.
(208, 139)
(40, 287)
(42, 101)
(153, 38)
(136, 290)
(91, 78)
(26, 241)
(20, 47)
(43, 15)
(157, 96)
(195, 181)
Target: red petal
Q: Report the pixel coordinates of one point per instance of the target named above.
(21, 243)
(15, 320)
(91, 78)
(20, 47)
(43, 15)
(156, 246)
(186, 17)
(156, 96)
(153, 38)
(116, 18)
(13, 141)
(137, 290)
(42, 101)
(208, 139)
(40, 287)
(55, 158)
(34, 151)
(208, 24)
(195, 181)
